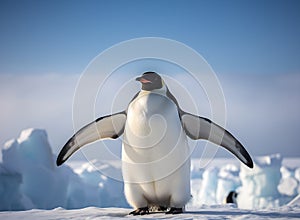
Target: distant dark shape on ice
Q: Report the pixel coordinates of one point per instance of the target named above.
(231, 198)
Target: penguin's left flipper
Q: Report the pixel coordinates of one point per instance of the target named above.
(110, 126)
(197, 127)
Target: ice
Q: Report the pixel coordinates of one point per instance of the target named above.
(209, 186)
(259, 185)
(228, 181)
(288, 186)
(29, 179)
(286, 172)
(31, 147)
(30, 156)
(297, 174)
(10, 191)
(269, 185)
(104, 187)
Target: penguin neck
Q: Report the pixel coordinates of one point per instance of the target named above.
(161, 91)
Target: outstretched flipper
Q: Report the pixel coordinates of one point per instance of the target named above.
(110, 126)
(197, 127)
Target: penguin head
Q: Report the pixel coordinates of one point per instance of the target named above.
(150, 81)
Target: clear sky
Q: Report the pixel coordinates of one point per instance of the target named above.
(253, 46)
(234, 36)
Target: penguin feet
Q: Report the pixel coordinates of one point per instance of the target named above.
(162, 208)
(174, 211)
(140, 211)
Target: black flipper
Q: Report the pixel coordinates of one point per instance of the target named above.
(110, 126)
(197, 127)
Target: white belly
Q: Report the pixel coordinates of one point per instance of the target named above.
(155, 153)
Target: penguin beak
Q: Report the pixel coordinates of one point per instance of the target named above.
(143, 80)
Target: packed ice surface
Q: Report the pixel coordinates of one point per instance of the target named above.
(220, 212)
(29, 179)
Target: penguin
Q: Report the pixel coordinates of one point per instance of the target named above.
(155, 152)
(231, 197)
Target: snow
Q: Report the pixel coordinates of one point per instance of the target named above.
(30, 180)
(288, 186)
(212, 212)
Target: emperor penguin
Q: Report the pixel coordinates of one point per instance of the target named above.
(155, 152)
(231, 197)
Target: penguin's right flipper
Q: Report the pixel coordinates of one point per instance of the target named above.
(110, 126)
(197, 127)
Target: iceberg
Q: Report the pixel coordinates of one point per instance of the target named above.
(30, 179)
(259, 186)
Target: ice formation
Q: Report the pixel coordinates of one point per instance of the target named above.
(260, 186)
(30, 179)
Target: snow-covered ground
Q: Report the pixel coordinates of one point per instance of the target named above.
(212, 212)
(30, 180)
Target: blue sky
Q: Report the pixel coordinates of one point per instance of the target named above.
(253, 46)
(259, 37)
